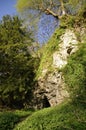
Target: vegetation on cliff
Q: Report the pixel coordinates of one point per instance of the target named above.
(75, 75)
(19, 70)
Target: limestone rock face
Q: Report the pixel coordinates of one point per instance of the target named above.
(52, 86)
(67, 47)
(54, 89)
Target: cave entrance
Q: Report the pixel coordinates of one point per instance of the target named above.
(46, 102)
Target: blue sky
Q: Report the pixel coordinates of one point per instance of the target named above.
(7, 7)
(46, 25)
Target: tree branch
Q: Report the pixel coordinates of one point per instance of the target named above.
(50, 12)
(62, 6)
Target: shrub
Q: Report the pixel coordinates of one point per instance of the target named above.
(8, 120)
(75, 74)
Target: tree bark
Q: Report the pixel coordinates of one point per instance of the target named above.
(50, 12)
(62, 7)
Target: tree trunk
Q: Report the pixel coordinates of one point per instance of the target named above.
(62, 7)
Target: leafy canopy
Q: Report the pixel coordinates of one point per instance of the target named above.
(16, 62)
(51, 6)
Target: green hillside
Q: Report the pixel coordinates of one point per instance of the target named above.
(66, 116)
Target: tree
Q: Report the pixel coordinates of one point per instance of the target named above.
(16, 63)
(53, 9)
(56, 8)
(46, 6)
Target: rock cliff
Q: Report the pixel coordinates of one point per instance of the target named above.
(51, 89)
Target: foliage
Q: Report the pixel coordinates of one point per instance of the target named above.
(78, 5)
(31, 4)
(7, 121)
(71, 6)
(66, 116)
(56, 9)
(16, 63)
(49, 49)
(69, 21)
(10, 118)
(75, 74)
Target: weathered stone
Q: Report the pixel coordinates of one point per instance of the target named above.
(54, 88)
(51, 88)
(68, 46)
(50, 91)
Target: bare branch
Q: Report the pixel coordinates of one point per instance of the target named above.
(62, 7)
(48, 11)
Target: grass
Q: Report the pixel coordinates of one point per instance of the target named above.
(66, 116)
(8, 119)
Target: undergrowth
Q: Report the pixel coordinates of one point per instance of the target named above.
(66, 116)
(75, 74)
(8, 119)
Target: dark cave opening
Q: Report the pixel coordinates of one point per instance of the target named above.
(46, 102)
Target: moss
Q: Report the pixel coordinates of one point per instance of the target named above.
(66, 22)
(75, 74)
(49, 49)
(71, 21)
